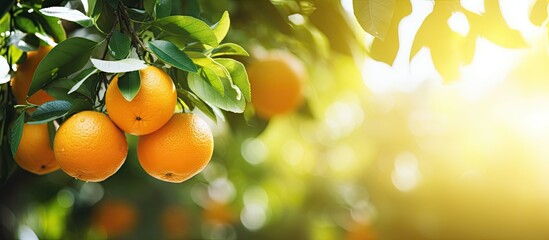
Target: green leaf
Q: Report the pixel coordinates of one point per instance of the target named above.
(170, 54)
(213, 79)
(50, 3)
(226, 49)
(16, 132)
(374, 15)
(229, 102)
(60, 87)
(149, 6)
(238, 75)
(129, 85)
(64, 59)
(5, 6)
(119, 45)
(52, 26)
(50, 111)
(221, 28)
(207, 62)
(89, 6)
(163, 8)
(210, 111)
(79, 105)
(81, 78)
(25, 24)
(68, 14)
(138, 15)
(120, 66)
(51, 132)
(189, 27)
(112, 3)
(104, 16)
(28, 43)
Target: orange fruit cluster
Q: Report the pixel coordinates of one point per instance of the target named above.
(92, 146)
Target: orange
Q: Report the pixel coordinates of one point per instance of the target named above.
(21, 82)
(178, 150)
(115, 217)
(34, 153)
(219, 213)
(276, 83)
(89, 147)
(360, 231)
(175, 222)
(151, 108)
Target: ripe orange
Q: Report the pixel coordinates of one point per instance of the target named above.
(115, 217)
(34, 153)
(175, 222)
(21, 82)
(219, 213)
(89, 147)
(178, 150)
(151, 108)
(276, 83)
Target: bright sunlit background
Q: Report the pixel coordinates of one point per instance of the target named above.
(390, 153)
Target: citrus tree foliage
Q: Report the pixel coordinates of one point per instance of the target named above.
(449, 49)
(95, 40)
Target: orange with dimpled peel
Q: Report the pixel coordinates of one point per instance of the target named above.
(89, 147)
(150, 109)
(177, 151)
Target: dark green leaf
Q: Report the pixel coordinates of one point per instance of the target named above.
(64, 59)
(163, 8)
(189, 27)
(138, 14)
(120, 66)
(221, 28)
(170, 54)
(229, 102)
(119, 45)
(28, 43)
(5, 6)
(16, 132)
(52, 26)
(89, 6)
(51, 132)
(113, 3)
(7, 164)
(79, 105)
(238, 75)
(129, 85)
(229, 49)
(68, 14)
(81, 78)
(374, 15)
(149, 6)
(104, 15)
(51, 3)
(25, 24)
(50, 111)
(59, 89)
